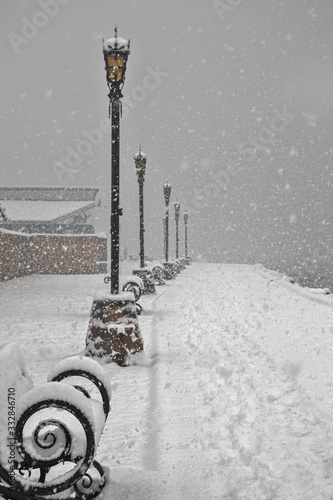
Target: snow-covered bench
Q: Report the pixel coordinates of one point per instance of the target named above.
(49, 433)
(135, 285)
(158, 274)
(179, 264)
(169, 270)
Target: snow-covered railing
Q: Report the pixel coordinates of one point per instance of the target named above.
(49, 436)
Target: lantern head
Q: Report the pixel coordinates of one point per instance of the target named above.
(167, 193)
(116, 51)
(140, 159)
(177, 210)
(185, 217)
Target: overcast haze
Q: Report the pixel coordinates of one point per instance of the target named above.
(240, 87)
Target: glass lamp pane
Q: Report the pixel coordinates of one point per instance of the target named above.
(116, 66)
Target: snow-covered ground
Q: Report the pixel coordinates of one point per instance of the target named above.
(234, 399)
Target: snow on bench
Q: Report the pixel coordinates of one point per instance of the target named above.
(158, 273)
(49, 433)
(135, 285)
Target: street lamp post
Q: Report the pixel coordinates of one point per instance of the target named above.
(167, 193)
(164, 235)
(113, 329)
(177, 212)
(116, 51)
(185, 222)
(143, 272)
(140, 164)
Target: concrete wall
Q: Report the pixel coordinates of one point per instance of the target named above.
(23, 254)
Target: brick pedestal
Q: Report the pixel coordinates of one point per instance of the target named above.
(113, 330)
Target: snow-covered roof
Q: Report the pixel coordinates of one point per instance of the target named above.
(48, 193)
(45, 203)
(42, 210)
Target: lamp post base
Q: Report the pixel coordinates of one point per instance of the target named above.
(148, 280)
(113, 330)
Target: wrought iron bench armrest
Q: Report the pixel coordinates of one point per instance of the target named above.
(58, 429)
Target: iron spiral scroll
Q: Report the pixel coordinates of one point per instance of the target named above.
(48, 460)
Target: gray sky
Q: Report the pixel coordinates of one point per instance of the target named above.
(232, 101)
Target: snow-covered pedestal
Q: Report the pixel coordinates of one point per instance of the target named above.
(113, 330)
(145, 273)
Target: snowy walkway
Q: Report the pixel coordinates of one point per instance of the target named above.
(238, 400)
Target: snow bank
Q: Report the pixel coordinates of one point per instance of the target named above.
(287, 282)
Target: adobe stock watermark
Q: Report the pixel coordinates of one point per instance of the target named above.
(71, 162)
(221, 179)
(225, 7)
(31, 27)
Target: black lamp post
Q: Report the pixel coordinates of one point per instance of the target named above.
(164, 235)
(167, 193)
(110, 315)
(140, 164)
(185, 222)
(177, 212)
(116, 51)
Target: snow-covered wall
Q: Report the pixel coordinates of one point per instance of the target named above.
(22, 254)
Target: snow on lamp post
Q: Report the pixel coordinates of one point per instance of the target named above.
(116, 51)
(169, 267)
(143, 272)
(185, 223)
(177, 213)
(167, 194)
(140, 165)
(113, 329)
(164, 235)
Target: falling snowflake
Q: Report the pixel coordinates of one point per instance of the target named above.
(293, 152)
(312, 12)
(311, 118)
(292, 218)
